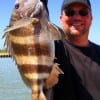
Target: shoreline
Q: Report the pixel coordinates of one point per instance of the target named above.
(4, 54)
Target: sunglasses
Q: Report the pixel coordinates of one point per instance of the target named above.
(71, 13)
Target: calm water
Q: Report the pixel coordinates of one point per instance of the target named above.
(11, 84)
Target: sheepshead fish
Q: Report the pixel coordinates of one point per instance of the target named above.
(30, 40)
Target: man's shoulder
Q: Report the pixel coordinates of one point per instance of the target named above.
(95, 46)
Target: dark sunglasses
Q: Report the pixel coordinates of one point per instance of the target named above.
(70, 12)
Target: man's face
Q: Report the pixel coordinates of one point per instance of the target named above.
(76, 19)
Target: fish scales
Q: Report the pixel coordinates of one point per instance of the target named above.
(30, 40)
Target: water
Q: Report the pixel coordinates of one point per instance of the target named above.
(11, 84)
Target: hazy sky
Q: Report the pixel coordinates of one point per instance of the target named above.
(54, 6)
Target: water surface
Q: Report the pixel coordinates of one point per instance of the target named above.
(11, 84)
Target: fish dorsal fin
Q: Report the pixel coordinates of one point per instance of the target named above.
(56, 32)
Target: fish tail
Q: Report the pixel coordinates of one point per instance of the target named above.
(37, 93)
(38, 96)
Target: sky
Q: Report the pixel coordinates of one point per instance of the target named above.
(6, 7)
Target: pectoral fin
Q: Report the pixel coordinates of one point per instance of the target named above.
(21, 23)
(54, 76)
(56, 32)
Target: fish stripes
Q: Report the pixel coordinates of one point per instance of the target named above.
(31, 39)
(28, 68)
(42, 60)
(35, 76)
(34, 49)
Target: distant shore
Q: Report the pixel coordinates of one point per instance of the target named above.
(4, 53)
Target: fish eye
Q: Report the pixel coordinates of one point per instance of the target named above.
(17, 6)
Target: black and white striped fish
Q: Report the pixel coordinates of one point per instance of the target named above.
(30, 40)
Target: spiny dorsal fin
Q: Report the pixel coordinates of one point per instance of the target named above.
(56, 32)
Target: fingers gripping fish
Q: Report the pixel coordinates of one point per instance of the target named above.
(30, 40)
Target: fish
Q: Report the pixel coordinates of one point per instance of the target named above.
(30, 40)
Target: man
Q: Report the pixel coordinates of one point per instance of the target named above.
(78, 57)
